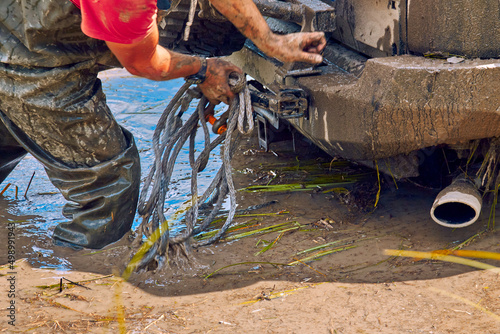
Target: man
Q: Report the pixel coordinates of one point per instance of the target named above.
(52, 104)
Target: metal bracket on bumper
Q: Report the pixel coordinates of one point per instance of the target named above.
(269, 107)
(287, 103)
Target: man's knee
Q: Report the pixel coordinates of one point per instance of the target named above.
(106, 197)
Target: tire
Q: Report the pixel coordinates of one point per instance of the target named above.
(207, 38)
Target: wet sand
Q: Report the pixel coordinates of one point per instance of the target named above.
(356, 289)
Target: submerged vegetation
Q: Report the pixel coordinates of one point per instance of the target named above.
(310, 175)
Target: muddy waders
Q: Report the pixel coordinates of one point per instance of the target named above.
(52, 106)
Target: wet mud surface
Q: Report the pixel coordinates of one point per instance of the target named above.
(367, 291)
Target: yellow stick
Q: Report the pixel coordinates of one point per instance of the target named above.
(120, 309)
(437, 256)
(469, 253)
(305, 264)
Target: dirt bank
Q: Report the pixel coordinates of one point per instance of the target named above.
(353, 289)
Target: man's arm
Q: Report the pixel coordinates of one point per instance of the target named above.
(146, 58)
(149, 60)
(247, 18)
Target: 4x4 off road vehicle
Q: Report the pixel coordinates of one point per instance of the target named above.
(410, 86)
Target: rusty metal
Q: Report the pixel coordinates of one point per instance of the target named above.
(318, 16)
(373, 28)
(312, 15)
(281, 10)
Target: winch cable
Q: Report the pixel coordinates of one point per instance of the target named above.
(169, 138)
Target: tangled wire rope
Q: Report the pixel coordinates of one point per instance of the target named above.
(169, 137)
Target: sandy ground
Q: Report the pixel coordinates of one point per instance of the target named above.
(356, 289)
(457, 304)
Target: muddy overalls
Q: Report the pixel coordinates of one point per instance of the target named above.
(52, 106)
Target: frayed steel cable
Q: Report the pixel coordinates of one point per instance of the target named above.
(169, 137)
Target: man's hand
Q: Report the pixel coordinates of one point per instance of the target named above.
(305, 47)
(216, 85)
(149, 60)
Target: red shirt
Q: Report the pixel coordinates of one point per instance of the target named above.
(117, 21)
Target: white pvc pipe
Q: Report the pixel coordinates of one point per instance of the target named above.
(457, 205)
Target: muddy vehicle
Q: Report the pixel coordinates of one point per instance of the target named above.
(411, 88)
